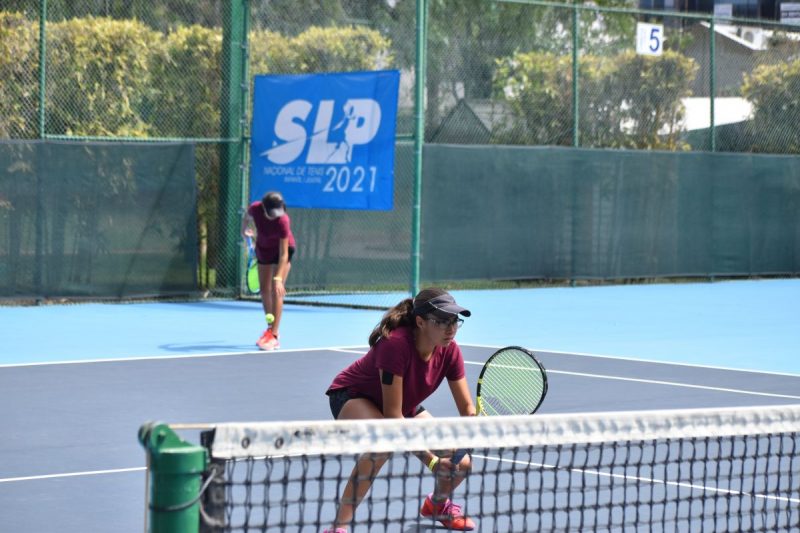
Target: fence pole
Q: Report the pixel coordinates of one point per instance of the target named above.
(42, 64)
(575, 72)
(39, 227)
(244, 155)
(419, 141)
(712, 85)
(234, 45)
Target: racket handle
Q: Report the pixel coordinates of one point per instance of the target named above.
(458, 456)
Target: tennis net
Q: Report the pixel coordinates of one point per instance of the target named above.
(732, 469)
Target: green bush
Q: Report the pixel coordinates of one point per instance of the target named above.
(652, 87)
(536, 86)
(625, 101)
(120, 78)
(319, 49)
(186, 79)
(98, 76)
(774, 91)
(335, 49)
(19, 82)
(271, 53)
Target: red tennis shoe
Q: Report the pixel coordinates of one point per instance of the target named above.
(448, 513)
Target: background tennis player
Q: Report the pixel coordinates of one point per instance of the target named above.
(412, 350)
(269, 223)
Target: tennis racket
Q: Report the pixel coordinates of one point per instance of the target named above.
(252, 268)
(512, 382)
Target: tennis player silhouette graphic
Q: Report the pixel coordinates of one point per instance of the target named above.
(341, 135)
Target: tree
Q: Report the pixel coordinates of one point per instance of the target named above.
(19, 85)
(98, 76)
(774, 91)
(626, 100)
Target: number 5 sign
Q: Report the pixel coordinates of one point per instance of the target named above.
(649, 39)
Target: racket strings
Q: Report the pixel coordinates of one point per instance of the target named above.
(513, 383)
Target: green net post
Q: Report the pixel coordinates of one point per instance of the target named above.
(175, 470)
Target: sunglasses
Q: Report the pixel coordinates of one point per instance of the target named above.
(445, 324)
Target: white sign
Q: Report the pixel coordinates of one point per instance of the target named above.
(723, 10)
(649, 39)
(790, 13)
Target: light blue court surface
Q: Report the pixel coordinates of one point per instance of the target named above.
(69, 454)
(752, 325)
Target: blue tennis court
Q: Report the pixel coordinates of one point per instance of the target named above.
(78, 380)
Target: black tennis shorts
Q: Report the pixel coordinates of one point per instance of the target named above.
(338, 397)
(274, 259)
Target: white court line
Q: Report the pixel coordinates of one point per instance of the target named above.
(597, 473)
(73, 474)
(639, 360)
(670, 384)
(169, 357)
(363, 349)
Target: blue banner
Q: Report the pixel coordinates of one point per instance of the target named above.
(325, 140)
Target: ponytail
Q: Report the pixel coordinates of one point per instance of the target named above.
(398, 316)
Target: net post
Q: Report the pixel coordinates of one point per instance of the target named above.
(213, 500)
(175, 470)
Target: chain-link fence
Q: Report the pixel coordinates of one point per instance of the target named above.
(537, 73)
(524, 73)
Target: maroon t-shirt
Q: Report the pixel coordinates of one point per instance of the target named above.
(398, 355)
(269, 232)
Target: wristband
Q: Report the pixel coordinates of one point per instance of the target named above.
(277, 278)
(433, 463)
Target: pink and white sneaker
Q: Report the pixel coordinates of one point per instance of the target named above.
(266, 336)
(448, 513)
(268, 341)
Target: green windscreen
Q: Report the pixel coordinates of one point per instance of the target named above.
(499, 212)
(356, 257)
(97, 220)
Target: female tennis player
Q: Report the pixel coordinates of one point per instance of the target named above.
(412, 350)
(269, 223)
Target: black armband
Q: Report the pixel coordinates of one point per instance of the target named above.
(387, 378)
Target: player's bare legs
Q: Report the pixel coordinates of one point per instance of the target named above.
(277, 299)
(265, 282)
(367, 467)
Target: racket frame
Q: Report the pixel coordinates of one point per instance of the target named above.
(460, 453)
(252, 264)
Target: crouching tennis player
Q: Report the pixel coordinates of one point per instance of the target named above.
(412, 350)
